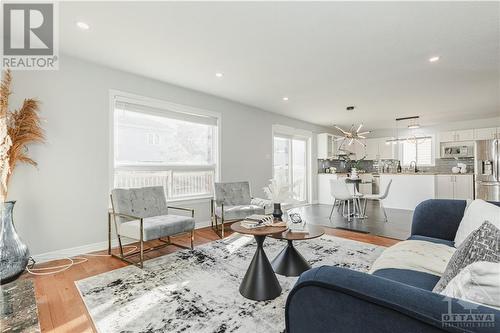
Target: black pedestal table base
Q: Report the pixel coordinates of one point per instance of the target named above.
(290, 262)
(260, 282)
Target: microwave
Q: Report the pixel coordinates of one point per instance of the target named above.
(452, 151)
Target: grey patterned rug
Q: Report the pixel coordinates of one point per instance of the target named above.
(197, 291)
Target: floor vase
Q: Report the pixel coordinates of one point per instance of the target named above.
(14, 253)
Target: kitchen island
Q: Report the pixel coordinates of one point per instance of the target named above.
(407, 190)
(410, 189)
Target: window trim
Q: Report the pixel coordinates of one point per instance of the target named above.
(169, 107)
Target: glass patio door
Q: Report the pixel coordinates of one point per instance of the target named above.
(290, 164)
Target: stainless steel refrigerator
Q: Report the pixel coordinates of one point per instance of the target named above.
(487, 169)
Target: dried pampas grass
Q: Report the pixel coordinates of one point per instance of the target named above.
(18, 129)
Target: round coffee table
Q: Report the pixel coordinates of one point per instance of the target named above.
(290, 262)
(260, 282)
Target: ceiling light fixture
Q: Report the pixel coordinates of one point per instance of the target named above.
(352, 135)
(82, 25)
(434, 59)
(285, 98)
(413, 126)
(219, 74)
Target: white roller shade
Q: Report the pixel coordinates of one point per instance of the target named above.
(170, 112)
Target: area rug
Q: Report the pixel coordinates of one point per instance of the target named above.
(18, 311)
(197, 291)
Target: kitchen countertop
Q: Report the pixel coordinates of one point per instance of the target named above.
(425, 174)
(405, 174)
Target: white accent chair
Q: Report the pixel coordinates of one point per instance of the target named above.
(341, 194)
(142, 214)
(380, 198)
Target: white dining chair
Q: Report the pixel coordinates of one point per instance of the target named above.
(341, 193)
(379, 197)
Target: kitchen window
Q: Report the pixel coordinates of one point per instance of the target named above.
(418, 150)
(157, 146)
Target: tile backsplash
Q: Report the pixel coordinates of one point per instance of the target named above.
(442, 165)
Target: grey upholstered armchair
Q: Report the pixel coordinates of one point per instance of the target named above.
(232, 202)
(143, 214)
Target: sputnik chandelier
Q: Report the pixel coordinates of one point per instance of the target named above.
(349, 137)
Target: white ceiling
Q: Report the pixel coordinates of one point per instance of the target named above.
(323, 55)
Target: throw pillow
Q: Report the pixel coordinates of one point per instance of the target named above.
(475, 214)
(478, 283)
(482, 245)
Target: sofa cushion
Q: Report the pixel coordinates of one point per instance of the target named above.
(475, 214)
(239, 212)
(432, 240)
(157, 226)
(412, 278)
(415, 255)
(482, 245)
(479, 283)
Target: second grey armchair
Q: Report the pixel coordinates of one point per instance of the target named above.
(232, 202)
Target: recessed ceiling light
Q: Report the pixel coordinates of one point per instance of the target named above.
(413, 126)
(82, 25)
(434, 59)
(219, 75)
(285, 98)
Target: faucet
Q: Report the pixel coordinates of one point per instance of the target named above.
(413, 166)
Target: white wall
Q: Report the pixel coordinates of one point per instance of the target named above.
(64, 203)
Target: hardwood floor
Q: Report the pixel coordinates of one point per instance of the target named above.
(61, 308)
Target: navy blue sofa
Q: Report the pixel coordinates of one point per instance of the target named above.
(334, 299)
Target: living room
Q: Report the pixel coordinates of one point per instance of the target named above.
(243, 166)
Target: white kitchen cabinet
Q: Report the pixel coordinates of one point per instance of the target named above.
(378, 149)
(358, 149)
(463, 187)
(326, 146)
(486, 133)
(444, 187)
(454, 187)
(464, 135)
(456, 136)
(448, 136)
(372, 149)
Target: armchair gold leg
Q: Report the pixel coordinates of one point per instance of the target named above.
(142, 245)
(109, 233)
(192, 239)
(222, 228)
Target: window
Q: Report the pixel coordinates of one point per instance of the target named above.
(290, 163)
(159, 147)
(419, 150)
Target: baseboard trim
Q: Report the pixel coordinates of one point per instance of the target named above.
(93, 247)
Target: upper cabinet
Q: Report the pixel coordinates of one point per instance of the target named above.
(455, 136)
(378, 149)
(487, 133)
(327, 146)
(358, 149)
